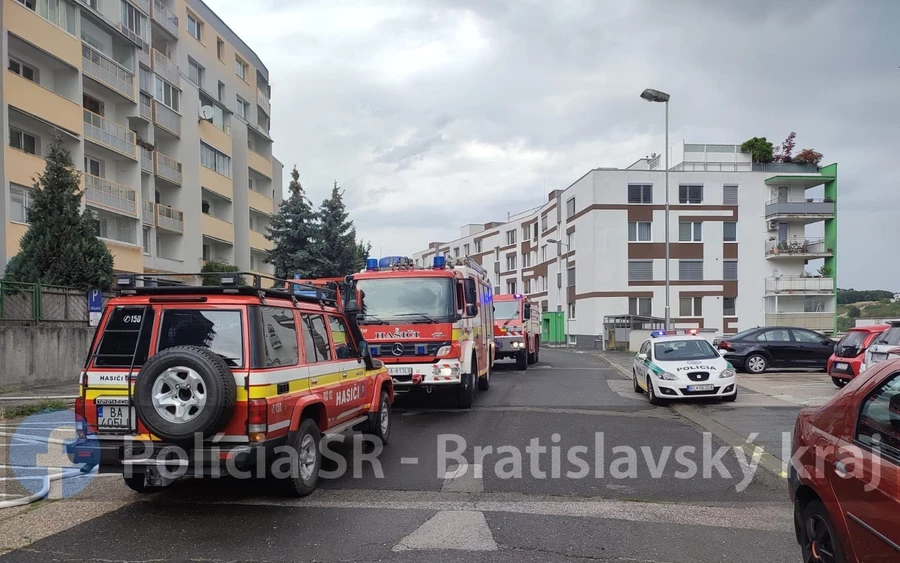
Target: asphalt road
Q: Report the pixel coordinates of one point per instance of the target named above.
(617, 480)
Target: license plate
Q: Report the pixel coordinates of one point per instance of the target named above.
(400, 371)
(112, 416)
(879, 357)
(840, 365)
(700, 387)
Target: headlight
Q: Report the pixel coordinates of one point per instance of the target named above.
(726, 373)
(445, 371)
(444, 350)
(667, 376)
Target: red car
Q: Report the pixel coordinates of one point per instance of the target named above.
(845, 472)
(850, 352)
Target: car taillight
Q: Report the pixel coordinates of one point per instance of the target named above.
(257, 419)
(80, 420)
(724, 345)
(79, 407)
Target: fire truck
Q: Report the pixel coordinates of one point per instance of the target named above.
(430, 326)
(517, 329)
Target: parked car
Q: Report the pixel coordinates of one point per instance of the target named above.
(850, 353)
(885, 347)
(845, 467)
(761, 348)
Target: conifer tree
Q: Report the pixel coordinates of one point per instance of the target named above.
(337, 236)
(294, 231)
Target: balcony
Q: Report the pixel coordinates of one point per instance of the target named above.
(168, 168)
(263, 100)
(786, 168)
(169, 218)
(806, 210)
(218, 184)
(823, 322)
(101, 192)
(166, 68)
(146, 106)
(40, 102)
(22, 168)
(144, 5)
(167, 118)
(109, 134)
(143, 56)
(146, 160)
(258, 241)
(148, 212)
(260, 202)
(216, 137)
(126, 258)
(165, 18)
(41, 33)
(799, 285)
(107, 72)
(809, 249)
(218, 229)
(260, 163)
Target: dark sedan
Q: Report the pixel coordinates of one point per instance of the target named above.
(759, 349)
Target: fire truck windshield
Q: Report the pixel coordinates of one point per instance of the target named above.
(410, 299)
(505, 310)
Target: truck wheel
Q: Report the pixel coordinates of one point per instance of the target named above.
(380, 421)
(537, 349)
(532, 356)
(484, 383)
(522, 360)
(466, 391)
(306, 460)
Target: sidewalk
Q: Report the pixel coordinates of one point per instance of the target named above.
(54, 395)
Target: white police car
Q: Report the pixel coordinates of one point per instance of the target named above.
(680, 366)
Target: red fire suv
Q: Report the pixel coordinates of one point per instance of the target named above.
(517, 329)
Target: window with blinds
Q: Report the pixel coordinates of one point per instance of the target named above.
(639, 306)
(691, 270)
(640, 270)
(730, 270)
(639, 231)
(730, 195)
(690, 194)
(729, 232)
(640, 193)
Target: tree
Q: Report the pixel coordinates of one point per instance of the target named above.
(337, 236)
(294, 231)
(787, 148)
(760, 149)
(853, 312)
(808, 156)
(61, 245)
(362, 254)
(218, 266)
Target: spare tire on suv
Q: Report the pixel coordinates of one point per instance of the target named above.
(184, 390)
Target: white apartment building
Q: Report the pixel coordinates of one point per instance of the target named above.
(166, 112)
(741, 252)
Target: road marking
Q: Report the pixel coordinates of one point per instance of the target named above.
(451, 529)
(658, 413)
(409, 461)
(465, 478)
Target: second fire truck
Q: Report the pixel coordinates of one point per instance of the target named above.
(517, 329)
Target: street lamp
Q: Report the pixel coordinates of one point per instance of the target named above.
(652, 95)
(559, 289)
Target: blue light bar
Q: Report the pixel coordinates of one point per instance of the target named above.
(420, 349)
(371, 263)
(373, 350)
(658, 333)
(439, 262)
(517, 295)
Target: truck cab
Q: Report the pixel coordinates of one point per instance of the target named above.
(517, 329)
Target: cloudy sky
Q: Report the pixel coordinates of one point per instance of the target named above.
(498, 102)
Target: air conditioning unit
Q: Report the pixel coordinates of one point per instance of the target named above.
(773, 225)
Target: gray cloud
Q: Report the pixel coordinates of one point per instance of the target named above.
(418, 105)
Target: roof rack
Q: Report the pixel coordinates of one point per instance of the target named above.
(230, 283)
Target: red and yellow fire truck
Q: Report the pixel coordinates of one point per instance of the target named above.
(517, 329)
(432, 327)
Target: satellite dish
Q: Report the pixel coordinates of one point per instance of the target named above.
(776, 272)
(207, 112)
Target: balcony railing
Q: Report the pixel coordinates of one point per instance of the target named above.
(146, 107)
(813, 321)
(263, 100)
(164, 17)
(102, 192)
(169, 218)
(168, 168)
(166, 67)
(146, 160)
(818, 208)
(799, 285)
(107, 71)
(167, 118)
(148, 212)
(786, 167)
(108, 134)
(143, 5)
(144, 55)
(796, 247)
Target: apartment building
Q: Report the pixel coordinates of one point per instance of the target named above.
(743, 250)
(166, 113)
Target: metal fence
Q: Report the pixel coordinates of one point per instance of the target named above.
(26, 303)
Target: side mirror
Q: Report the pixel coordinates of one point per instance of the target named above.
(352, 307)
(642, 357)
(365, 354)
(527, 314)
(471, 310)
(470, 290)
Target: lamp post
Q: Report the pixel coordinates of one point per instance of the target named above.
(558, 253)
(656, 96)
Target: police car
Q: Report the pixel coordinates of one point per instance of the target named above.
(680, 365)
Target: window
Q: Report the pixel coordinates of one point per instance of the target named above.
(339, 333)
(572, 310)
(641, 306)
(24, 70)
(132, 19)
(879, 421)
(243, 108)
(690, 232)
(93, 166)
(92, 104)
(640, 231)
(691, 270)
(27, 3)
(534, 231)
(640, 193)
(730, 195)
(510, 262)
(729, 232)
(23, 141)
(240, 68)
(511, 237)
(193, 26)
(205, 205)
(526, 260)
(206, 252)
(167, 94)
(456, 252)
(497, 253)
(729, 306)
(147, 240)
(690, 194)
(544, 223)
(477, 246)
(570, 277)
(219, 331)
(20, 200)
(511, 286)
(730, 270)
(221, 91)
(195, 72)
(570, 242)
(640, 270)
(114, 227)
(526, 231)
(543, 253)
(215, 160)
(280, 337)
(316, 346)
(120, 338)
(570, 208)
(220, 48)
(527, 285)
(775, 335)
(465, 250)
(691, 306)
